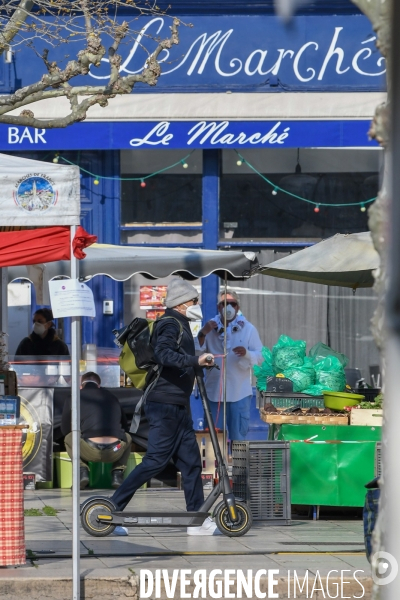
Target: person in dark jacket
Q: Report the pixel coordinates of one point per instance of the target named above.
(43, 341)
(104, 427)
(171, 434)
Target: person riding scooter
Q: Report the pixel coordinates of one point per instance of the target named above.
(171, 434)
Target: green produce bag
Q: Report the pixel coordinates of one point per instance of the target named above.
(330, 373)
(288, 353)
(303, 376)
(264, 370)
(321, 351)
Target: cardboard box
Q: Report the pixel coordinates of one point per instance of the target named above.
(206, 478)
(366, 416)
(29, 481)
(9, 410)
(206, 450)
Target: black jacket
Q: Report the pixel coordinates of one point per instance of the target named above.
(101, 414)
(177, 376)
(35, 345)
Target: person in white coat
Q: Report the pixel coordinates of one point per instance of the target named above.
(243, 352)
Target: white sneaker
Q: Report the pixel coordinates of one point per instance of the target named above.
(209, 527)
(119, 530)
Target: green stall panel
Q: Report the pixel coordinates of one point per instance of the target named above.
(333, 467)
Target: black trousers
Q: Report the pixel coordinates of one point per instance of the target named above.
(171, 436)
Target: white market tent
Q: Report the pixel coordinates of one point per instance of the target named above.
(123, 262)
(346, 260)
(44, 195)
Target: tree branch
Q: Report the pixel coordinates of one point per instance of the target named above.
(56, 82)
(14, 24)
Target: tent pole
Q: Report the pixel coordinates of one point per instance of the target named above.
(76, 437)
(4, 309)
(224, 370)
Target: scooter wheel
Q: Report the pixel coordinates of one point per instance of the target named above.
(227, 526)
(89, 517)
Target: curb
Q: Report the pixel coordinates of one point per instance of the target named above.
(115, 588)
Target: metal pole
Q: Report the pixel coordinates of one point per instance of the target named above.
(4, 308)
(224, 371)
(76, 438)
(391, 439)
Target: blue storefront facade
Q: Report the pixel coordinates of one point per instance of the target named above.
(255, 137)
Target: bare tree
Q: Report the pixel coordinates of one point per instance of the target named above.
(61, 22)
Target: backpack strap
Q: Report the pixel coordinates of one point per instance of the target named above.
(156, 370)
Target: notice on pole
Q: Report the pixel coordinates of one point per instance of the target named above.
(71, 298)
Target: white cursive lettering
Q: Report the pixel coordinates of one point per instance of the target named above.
(213, 131)
(297, 59)
(367, 52)
(258, 69)
(159, 130)
(332, 50)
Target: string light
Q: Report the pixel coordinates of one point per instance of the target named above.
(277, 188)
(98, 178)
(55, 159)
(239, 163)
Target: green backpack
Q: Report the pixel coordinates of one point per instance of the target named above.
(137, 355)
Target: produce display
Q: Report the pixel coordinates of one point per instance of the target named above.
(322, 370)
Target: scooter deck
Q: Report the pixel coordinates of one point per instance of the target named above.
(154, 519)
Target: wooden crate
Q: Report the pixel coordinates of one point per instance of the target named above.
(366, 416)
(304, 418)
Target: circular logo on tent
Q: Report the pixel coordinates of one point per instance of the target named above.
(32, 436)
(35, 193)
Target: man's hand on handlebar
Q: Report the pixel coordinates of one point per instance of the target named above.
(206, 360)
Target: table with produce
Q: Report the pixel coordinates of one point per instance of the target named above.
(333, 430)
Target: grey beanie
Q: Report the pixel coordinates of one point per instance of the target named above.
(178, 292)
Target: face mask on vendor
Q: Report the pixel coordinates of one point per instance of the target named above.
(40, 328)
(231, 309)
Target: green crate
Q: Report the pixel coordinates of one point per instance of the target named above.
(310, 401)
(292, 400)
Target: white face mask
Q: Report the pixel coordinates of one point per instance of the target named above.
(39, 328)
(230, 312)
(194, 313)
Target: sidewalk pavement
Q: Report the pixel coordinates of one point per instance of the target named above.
(111, 566)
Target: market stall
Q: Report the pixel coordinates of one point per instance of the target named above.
(305, 399)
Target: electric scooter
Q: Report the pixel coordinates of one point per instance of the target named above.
(99, 516)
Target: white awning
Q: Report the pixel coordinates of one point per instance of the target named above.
(230, 106)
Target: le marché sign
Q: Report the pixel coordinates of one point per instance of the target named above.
(242, 53)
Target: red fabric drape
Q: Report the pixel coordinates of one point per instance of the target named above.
(82, 239)
(48, 244)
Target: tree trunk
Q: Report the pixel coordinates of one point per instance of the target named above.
(379, 13)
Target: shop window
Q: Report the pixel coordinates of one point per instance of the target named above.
(168, 209)
(252, 209)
